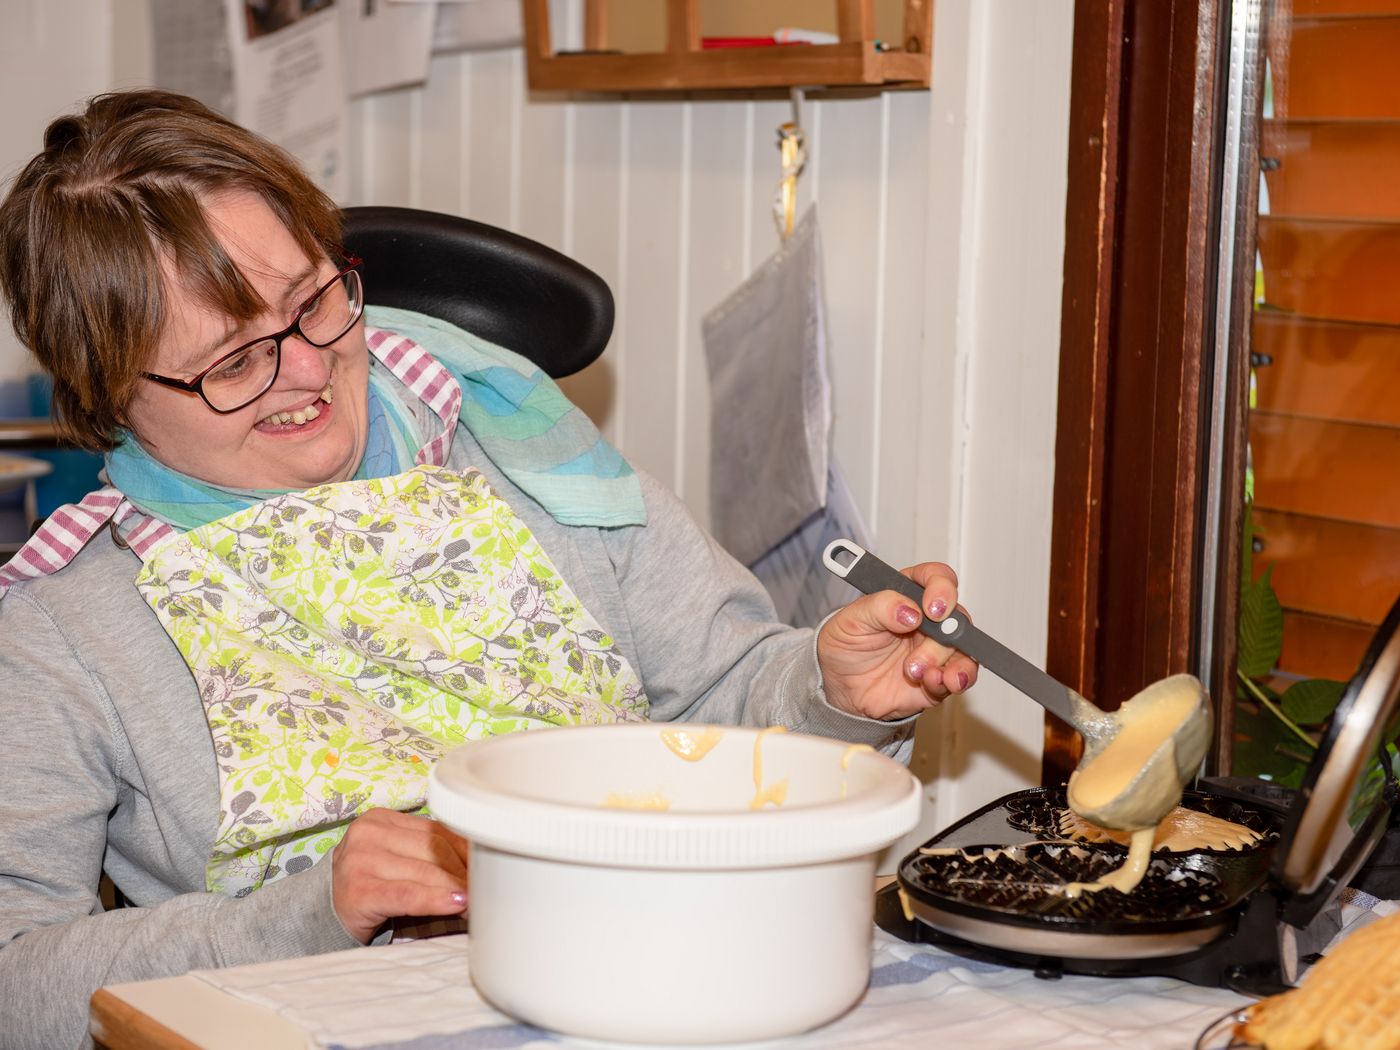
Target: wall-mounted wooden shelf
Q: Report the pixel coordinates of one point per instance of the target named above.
(858, 60)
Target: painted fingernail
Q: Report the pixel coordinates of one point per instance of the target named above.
(914, 670)
(908, 615)
(459, 898)
(962, 680)
(937, 608)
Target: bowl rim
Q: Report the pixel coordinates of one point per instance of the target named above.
(841, 829)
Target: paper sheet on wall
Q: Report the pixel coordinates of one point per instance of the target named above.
(190, 49)
(287, 82)
(473, 25)
(387, 45)
(776, 497)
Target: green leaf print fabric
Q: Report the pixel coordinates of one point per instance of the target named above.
(345, 637)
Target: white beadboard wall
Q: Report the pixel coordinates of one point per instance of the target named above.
(52, 56)
(942, 214)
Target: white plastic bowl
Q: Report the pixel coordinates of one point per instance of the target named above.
(708, 922)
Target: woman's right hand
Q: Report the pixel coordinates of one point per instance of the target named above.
(392, 864)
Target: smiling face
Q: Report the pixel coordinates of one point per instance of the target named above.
(260, 446)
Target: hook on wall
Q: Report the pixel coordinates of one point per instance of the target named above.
(792, 150)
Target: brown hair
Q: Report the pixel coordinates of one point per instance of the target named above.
(94, 223)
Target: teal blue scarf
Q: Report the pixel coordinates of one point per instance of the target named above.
(519, 416)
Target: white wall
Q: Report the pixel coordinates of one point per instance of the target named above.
(53, 55)
(942, 215)
(995, 283)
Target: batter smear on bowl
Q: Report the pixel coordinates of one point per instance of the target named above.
(774, 793)
(689, 744)
(619, 800)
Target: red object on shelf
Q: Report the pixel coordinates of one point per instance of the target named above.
(709, 43)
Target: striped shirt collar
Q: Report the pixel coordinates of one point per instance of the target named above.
(69, 528)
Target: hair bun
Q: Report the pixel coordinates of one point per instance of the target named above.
(64, 132)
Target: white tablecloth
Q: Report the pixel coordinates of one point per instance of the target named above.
(418, 996)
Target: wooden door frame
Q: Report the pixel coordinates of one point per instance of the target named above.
(1135, 350)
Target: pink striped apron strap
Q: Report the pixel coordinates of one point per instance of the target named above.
(68, 529)
(429, 381)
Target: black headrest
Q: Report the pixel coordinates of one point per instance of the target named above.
(495, 284)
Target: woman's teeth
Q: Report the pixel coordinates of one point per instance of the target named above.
(301, 415)
(298, 417)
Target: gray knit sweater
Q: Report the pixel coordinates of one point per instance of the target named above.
(106, 762)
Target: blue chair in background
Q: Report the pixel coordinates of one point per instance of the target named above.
(74, 472)
(37, 476)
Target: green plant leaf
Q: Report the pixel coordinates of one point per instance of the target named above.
(1368, 794)
(1312, 701)
(1261, 627)
(1263, 748)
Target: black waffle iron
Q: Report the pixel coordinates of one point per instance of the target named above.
(986, 887)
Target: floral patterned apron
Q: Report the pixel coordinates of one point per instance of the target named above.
(343, 638)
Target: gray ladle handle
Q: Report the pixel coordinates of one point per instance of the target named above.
(869, 574)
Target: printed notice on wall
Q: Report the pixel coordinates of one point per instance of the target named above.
(288, 84)
(190, 44)
(386, 45)
(476, 25)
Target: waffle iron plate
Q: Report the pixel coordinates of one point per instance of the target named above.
(995, 879)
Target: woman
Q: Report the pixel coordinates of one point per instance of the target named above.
(332, 550)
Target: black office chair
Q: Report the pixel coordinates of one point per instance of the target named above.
(495, 284)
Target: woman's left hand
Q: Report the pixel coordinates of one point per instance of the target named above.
(874, 660)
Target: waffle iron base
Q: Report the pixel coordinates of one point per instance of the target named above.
(988, 888)
(1244, 956)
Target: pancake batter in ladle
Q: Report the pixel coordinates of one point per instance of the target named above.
(1136, 760)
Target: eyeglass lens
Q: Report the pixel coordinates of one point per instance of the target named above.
(324, 319)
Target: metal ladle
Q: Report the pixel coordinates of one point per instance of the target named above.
(1152, 792)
